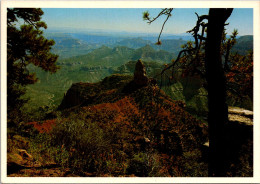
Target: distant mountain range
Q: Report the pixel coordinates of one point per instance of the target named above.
(69, 45)
(90, 67)
(119, 34)
(243, 45)
(75, 44)
(114, 57)
(66, 46)
(86, 61)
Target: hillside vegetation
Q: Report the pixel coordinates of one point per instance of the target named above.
(115, 128)
(112, 128)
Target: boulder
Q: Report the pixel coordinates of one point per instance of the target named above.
(25, 154)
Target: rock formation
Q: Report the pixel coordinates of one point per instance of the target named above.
(140, 77)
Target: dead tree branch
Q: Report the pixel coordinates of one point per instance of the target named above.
(198, 41)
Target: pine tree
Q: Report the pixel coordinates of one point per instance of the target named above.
(25, 45)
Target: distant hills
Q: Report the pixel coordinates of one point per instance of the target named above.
(134, 42)
(169, 45)
(114, 57)
(83, 61)
(90, 67)
(75, 44)
(243, 45)
(66, 46)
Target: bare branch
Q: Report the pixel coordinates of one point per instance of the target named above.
(164, 11)
(158, 40)
(198, 44)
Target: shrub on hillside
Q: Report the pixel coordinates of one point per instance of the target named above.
(84, 141)
(141, 133)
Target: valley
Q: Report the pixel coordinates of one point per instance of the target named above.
(91, 58)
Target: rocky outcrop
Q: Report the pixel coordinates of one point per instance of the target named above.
(83, 94)
(17, 155)
(77, 94)
(20, 161)
(140, 77)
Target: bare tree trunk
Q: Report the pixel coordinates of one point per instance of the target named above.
(218, 111)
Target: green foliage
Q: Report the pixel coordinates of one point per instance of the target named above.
(41, 149)
(80, 141)
(139, 165)
(25, 45)
(198, 105)
(146, 15)
(193, 165)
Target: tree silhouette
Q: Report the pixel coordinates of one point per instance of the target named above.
(25, 45)
(214, 74)
(216, 81)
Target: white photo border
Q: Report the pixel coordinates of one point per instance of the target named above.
(131, 4)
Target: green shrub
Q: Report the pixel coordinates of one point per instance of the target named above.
(139, 165)
(193, 165)
(145, 165)
(81, 142)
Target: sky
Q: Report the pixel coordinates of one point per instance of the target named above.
(130, 19)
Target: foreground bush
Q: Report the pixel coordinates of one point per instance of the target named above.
(83, 144)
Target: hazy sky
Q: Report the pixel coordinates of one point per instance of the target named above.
(124, 19)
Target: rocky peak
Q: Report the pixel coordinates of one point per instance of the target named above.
(140, 77)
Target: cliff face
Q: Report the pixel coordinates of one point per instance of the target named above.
(94, 93)
(77, 94)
